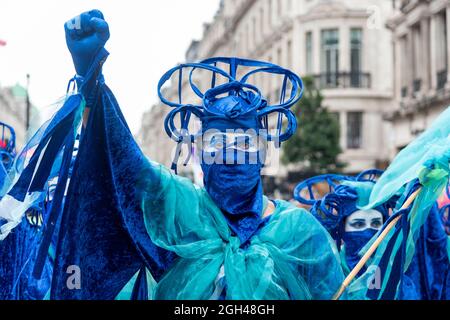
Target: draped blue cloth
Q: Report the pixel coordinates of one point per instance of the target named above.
(102, 228)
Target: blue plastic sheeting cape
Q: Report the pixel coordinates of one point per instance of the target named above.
(425, 164)
(290, 257)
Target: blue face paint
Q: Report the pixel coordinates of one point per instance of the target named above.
(354, 241)
(232, 176)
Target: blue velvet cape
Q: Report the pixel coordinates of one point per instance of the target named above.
(102, 227)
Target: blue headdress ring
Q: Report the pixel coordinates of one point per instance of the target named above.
(167, 76)
(283, 107)
(261, 67)
(331, 180)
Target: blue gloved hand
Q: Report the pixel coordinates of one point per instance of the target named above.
(86, 35)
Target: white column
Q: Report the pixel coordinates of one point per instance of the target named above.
(343, 124)
(433, 68)
(398, 68)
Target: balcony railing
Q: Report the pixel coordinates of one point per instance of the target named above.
(332, 80)
(441, 79)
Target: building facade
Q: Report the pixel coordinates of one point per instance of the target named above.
(343, 44)
(13, 108)
(421, 35)
(13, 111)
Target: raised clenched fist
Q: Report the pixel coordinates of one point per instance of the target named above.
(86, 35)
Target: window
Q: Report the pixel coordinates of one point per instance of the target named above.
(330, 57)
(417, 57)
(441, 49)
(354, 130)
(355, 57)
(404, 66)
(309, 53)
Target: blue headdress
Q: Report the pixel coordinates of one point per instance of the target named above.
(346, 195)
(243, 108)
(233, 105)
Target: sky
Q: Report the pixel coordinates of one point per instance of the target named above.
(147, 38)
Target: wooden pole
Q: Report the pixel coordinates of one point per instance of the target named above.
(373, 247)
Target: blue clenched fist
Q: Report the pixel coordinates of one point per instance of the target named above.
(86, 35)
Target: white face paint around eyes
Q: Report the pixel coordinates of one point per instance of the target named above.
(215, 142)
(364, 219)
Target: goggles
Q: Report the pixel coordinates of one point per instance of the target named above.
(220, 141)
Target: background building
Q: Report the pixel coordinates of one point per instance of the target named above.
(13, 106)
(421, 35)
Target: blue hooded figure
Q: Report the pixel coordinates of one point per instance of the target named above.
(338, 211)
(132, 229)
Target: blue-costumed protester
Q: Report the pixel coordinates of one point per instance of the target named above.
(411, 262)
(134, 230)
(339, 211)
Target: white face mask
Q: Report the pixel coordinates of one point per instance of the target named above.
(364, 219)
